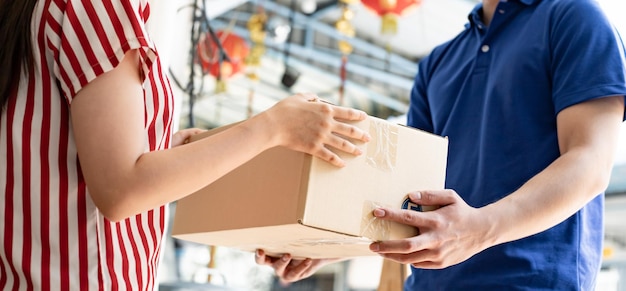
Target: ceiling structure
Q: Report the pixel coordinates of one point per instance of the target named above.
(378, 80)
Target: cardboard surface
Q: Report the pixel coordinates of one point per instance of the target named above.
(289, 202)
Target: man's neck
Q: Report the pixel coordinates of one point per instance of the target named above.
(489, 8)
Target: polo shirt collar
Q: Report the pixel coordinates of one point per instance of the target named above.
(529, 2)
(474, 16)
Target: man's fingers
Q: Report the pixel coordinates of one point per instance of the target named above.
(400, 246)
(434, 197)
(408, 217)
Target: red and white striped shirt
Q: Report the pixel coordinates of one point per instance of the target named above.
(52, 237)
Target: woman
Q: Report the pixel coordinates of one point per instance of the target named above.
(85, 137)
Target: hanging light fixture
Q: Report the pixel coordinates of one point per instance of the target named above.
(345, 28)
(278, 29)
(291, 75)
(308, 6)
(389, 11)
(256, 28)
(212, 60)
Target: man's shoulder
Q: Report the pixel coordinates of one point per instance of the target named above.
(574, 8)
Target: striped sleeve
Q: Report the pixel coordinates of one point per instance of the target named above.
(93, 37)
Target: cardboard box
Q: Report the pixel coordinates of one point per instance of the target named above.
(284, 201)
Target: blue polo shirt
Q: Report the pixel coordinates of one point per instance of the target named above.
(495, 92)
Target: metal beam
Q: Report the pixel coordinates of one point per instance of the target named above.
(334, 61)
(359, 44)
(216, 8)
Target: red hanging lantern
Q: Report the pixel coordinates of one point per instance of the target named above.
(208, 54)
(389, 11)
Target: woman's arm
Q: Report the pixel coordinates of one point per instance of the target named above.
(123, 180)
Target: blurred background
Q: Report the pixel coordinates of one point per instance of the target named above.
(361, 54)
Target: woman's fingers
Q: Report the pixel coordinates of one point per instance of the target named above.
(330, 157)
(305, 123)
(182, 136)
(281, 264)
(344, 145)
(351, 131)
(297, 271)
(348, 114)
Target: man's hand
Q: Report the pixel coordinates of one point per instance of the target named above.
(447, 236)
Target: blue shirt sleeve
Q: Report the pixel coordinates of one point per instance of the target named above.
(419, 113)
(586, 62)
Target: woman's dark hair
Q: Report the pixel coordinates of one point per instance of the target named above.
(16, 51)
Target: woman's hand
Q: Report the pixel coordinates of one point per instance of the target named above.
(305, 123)
(290, 270)
(447, 236)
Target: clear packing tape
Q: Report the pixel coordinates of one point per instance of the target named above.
(381, 154)
(381, 150)
(372, 227)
